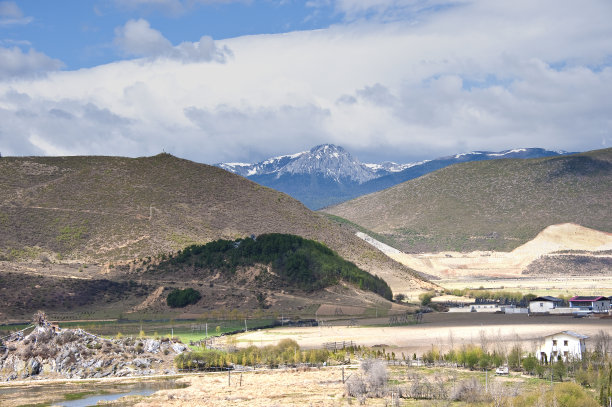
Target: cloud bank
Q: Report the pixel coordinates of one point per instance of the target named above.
(137, 38)
(416, 79)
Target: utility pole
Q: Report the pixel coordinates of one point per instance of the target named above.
(245, 326)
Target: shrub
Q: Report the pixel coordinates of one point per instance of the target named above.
(355, 386)
(530, 363)
(562, 395)
(469, 391)
(426, 297)
(375, 371)
(181, 298)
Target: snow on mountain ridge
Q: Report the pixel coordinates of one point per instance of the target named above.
(334, 162)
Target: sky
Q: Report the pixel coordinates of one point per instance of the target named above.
(243, 80)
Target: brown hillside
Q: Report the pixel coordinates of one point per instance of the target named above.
(108, 209)
(489, 205)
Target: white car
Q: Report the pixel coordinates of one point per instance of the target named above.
(502, 370)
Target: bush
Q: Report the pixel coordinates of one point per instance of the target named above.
(563, 395)
(426, 297)
(355, 386)
(181, 298)
(529, 364)
(469, 391)
(375, 371)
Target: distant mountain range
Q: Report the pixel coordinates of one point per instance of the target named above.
(328, 174)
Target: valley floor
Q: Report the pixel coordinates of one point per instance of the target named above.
(442, 330)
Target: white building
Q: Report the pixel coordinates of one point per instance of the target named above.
(564, 346)
(477, 307)
(544, 304)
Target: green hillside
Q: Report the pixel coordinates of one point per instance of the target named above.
(489, 205)
(294, 261)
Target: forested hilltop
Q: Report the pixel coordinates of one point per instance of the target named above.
(290, 260)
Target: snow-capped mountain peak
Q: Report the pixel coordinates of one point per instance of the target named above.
(327, 160)
(327, 174)
(331, 161)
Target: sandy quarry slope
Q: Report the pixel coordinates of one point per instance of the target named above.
(567, 236)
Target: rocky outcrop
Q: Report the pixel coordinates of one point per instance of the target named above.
(49, 352)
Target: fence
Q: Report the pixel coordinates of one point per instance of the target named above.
(334, 346)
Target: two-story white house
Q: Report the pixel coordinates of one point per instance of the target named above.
(566, 345)
(590, 303)
(544, 304)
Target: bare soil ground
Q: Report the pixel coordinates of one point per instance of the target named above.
(317, 387)
(441, 330)
(554, 238)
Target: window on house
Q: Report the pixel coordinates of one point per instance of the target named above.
(565, 343)
(554, 342)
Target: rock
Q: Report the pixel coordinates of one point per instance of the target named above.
(152, 346)
(141, 363)
(179, 347)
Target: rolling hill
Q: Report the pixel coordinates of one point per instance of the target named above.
(102, 212)
(489, 205)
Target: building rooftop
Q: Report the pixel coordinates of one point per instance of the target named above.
(547, 298)
(570, 333)
(588, 298)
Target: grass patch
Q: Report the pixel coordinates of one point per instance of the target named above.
(81, 394)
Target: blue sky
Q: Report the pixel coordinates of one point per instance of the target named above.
(240, 80)
(80, 32)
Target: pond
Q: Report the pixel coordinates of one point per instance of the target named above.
(81, 394)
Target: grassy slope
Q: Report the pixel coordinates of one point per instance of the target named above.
(114, 208)
(489, 205)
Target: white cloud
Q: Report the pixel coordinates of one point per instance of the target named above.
(11, 14)
(137, 38)
(482, 75)
(10, 9)
(16, 63)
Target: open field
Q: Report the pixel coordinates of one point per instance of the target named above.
(552, 285)
(441, 330)
(308, 387)
(324, 387)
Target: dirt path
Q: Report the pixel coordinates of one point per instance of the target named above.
(151, 298)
